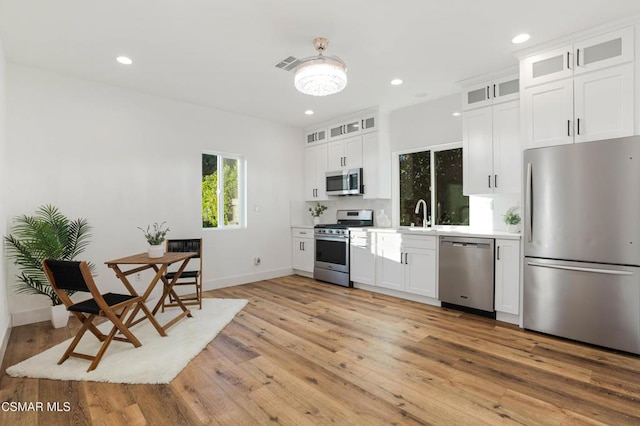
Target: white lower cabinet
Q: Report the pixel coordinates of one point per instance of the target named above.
(507, 276)
(363, 258)
(302, 249)
(406, 263)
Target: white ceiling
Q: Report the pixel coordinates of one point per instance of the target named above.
(222, 53)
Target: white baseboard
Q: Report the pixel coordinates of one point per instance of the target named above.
(245, 279)
(4, 343)
(30, 317)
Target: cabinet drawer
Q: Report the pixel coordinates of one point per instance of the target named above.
(302, 232)
(419, 242)
(388, 239)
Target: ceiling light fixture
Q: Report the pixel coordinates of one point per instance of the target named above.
(520, 38)
(396, 82)
(321, 75)
(124, 60)
(308, 112)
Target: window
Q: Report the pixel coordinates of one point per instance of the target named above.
(435, 176)
(223, 203)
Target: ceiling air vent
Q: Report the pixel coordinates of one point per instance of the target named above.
(288, 64)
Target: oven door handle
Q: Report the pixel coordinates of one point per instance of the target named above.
(343, 239)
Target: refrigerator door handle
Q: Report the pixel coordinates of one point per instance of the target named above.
(581, 269)
(528, 201)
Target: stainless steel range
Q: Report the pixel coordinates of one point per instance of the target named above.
(332, 246)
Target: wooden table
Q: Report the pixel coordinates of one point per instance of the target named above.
(160, 265)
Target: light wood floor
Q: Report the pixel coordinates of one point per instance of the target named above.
(307, 353)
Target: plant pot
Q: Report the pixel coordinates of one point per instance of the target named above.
(316, 220)
(513, 228)
(59, 316)
(156, 251)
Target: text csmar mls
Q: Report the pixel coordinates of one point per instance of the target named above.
(14, 406)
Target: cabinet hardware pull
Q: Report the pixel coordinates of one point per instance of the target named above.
(401, 257)
(494, 90)
(568, 64)
(488, 95)
(406, 258)
(345, 161)
(300, 244)
(578, 126)
(495, 181)
(489, 180)
(498, 254)
(362, 124)
(577, 57)
(568, 127)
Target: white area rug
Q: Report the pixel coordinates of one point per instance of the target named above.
(158, 360)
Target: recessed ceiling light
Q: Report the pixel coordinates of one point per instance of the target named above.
(308, 112)
(124, 60)
(456, 114)
(396, 82)
(520, 38)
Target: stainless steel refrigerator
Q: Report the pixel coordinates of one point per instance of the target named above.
(582, 242)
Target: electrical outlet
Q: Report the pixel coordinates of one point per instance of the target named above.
(256, 260)
(138, 276)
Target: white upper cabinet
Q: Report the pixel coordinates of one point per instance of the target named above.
(603, 104)
(345, 154)
(491, 92)
(316, 135)
(344, 128)
(547, 66)
(604, 51)
(581, 92)
(588, 55)
(315, 167)
(547, 114)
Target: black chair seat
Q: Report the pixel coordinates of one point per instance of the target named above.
(91, 307)
(185, 274)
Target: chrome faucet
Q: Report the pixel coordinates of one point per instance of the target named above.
(425, 218)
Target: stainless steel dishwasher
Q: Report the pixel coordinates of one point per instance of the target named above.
(466, 274)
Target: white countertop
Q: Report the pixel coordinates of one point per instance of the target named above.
(462, 231)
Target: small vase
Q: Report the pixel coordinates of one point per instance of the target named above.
(316, 220)
(59, 316)
(156, 251)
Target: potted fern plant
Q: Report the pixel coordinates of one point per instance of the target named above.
(47, 234)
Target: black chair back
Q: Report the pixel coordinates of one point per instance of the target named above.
(184, 245)
(67, 275)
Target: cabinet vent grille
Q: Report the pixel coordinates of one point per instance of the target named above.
(288, 64)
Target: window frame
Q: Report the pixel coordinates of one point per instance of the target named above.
(395, 177)
(242, 190)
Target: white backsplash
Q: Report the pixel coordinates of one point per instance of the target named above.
(485, 211)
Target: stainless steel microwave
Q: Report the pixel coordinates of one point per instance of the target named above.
(345, 182)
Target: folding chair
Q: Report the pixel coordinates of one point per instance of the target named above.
(70, 275)
(189, 276)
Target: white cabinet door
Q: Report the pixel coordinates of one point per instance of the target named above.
(369, 122)
(507, 285)
(477, 148)
(548, 66)
(476, 96)
(604, 104)
(303, 254)
(316, 135)
(507, 150)
(345, 154)
(505, 89)
(315, 162)
(376, 166)
(609, 49)
(547, 114)
(390, 267)
(363, 263)
(420, 268)
(350, 127)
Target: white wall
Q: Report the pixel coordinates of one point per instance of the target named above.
(4, 307)
(123, 159)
